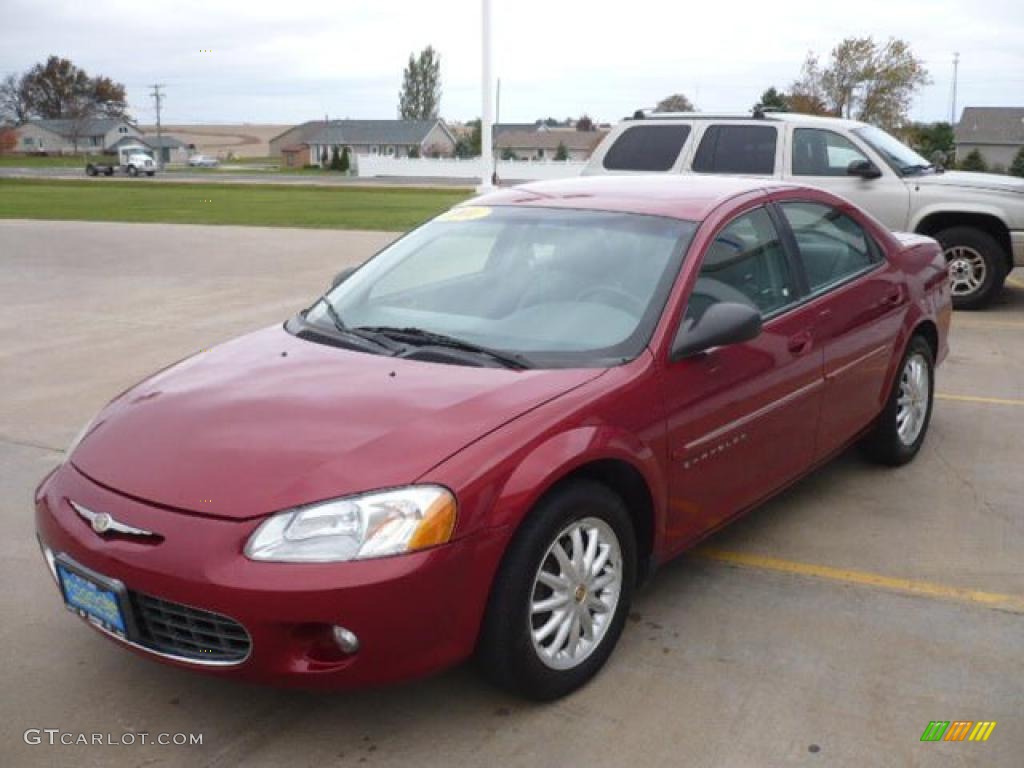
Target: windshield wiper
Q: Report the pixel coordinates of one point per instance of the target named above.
(365, 334)
(413, 335)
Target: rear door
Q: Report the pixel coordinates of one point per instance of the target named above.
(740, 148)
(742, 419)
(859, 301)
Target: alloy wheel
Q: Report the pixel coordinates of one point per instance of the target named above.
(967, 270)
(912, 404)
(575, 593)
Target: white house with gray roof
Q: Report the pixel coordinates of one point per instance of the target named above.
(306, 143)
(58, 137)
(996, 132)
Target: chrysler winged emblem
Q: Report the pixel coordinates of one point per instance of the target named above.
(101, 522)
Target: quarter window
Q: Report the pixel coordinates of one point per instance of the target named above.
(745, 264)
(832, 246)
(748, 149)
(647, 148)
(822, 153)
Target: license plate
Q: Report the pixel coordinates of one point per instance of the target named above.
(93, 597)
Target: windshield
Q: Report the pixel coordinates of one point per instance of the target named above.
(898, 155)
(560, 288)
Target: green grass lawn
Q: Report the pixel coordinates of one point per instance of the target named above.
(266, 205)
(56, 161)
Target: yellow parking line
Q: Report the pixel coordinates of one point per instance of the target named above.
(1011, 603)
(973, 399)
(1015, 282)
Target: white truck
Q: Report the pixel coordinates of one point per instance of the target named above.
(133, 160)
(977, 217)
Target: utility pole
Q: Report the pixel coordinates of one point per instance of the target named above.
(158, 98)
(487, 114)
(956, 72)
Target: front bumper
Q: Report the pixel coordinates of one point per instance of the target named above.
(413, 614)
(1017, 248)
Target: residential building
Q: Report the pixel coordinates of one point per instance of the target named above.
(996, 132)
(171, 149)
(56, 137)
(543, 144)
(306, 143)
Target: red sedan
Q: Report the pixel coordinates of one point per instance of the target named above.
(482, 439)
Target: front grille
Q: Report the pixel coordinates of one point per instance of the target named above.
(189, 633)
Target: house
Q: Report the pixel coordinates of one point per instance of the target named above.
(543, 144)
(57, 137)
(171, 149)
(306, 143)
(996, 132)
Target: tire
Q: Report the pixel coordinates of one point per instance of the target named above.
(150, 173)
(888, 443)
(133, 171)
(977, 266)
(513, 651)
(90, 170)
(109, 172)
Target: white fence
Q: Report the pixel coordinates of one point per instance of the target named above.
(470, 169)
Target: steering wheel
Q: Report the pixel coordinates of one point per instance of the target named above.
(616, 297)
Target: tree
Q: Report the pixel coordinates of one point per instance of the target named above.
(974, 162)
(1017, 166)
(773, 99)
(60, 90)
(345, 164)
(14, 100)
(469, 146)
(508, 154)
(562, 153)
(335, 158)
(420, 97)
(863, 80)
(585, 123)
(931, 140)
(677, 102)
(323, 157)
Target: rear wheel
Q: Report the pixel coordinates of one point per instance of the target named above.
(150, 173)
(977, 266)
(900, 431)
(562, 594)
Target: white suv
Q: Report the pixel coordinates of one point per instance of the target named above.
(978, 217)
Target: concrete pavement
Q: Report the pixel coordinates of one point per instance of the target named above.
(720, 665)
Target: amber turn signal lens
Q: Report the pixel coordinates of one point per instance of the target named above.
(437, 524)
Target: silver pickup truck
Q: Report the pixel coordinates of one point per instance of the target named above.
(977, 217)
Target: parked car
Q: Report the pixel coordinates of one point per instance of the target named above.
(130, 160)
(479, 441)
(203, 161)
(978, 217)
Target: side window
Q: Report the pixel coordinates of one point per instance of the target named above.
(647, 148)
(746, 149)
(832, 246)
(746, 264)
(822, 153)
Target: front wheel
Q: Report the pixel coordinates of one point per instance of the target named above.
(562, 594)
(977, 266)
(899, 433)
(133, 171)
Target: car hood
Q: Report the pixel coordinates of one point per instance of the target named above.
(270, 421)
(990, 181)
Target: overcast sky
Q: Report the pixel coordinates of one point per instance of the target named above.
(282, 62)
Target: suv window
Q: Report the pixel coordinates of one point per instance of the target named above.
(737, 149)
(746, 264)
(832, 246)
(822, 153)
(647, 148)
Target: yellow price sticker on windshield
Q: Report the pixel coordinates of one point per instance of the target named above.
(465, 213)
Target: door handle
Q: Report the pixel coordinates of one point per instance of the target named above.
(801, 343)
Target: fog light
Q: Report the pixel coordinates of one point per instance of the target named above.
(346, 639)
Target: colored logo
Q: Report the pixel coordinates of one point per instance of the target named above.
(958, 730)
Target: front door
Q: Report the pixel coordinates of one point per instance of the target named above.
(742, 418)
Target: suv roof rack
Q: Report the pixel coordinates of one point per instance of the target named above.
(650, 114)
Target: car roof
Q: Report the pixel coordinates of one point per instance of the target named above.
(682, 197)
(781, 117)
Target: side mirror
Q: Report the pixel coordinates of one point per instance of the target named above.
(863, 168)
(723, 323)
(342, 276)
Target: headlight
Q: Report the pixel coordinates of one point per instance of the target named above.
(357, 527)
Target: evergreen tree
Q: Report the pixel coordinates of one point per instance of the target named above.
(1017, 166)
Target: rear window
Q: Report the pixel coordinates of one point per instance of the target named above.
(646, 148)
(737, 149)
